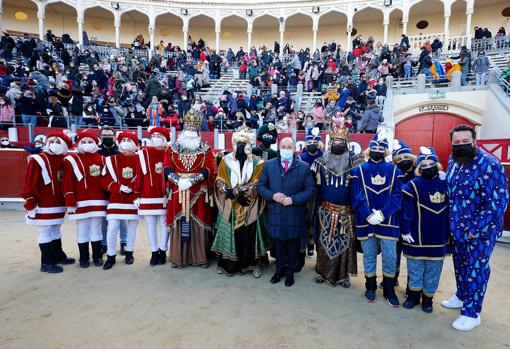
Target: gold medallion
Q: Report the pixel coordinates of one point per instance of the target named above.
(94, 170)
(127, 173)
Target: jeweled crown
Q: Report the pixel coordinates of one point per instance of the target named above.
(378, 180)
(339, 133)
(437, 198)
(192, 120)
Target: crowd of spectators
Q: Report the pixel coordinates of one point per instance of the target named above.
(51, 83)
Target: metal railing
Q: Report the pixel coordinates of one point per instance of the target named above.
(505, 84)
(430, 82)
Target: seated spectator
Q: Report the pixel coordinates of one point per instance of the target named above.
(6, 113)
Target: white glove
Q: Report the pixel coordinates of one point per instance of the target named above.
(184, 184)
(407, 238)
(373, 219)
(136, 203)
(31, 214)
(71, 210)
(442, 175)
(125, 189)
(379, 214)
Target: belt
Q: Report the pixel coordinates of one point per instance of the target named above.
(338, 213)
(342, 209)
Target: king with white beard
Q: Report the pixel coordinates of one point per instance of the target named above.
(189, 177)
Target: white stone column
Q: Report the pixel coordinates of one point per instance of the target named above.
(349, 37)
(469, 13)
(249, 31)
(405, 20)
(386, 24)
(151, 38)
(79, 20)
(40, 16)
(282, 32)
(117, 35)
(1, 19)
(218, 37)
(446, 31)
(314, 42)
(185, 38)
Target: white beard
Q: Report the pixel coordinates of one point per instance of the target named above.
(189, 140)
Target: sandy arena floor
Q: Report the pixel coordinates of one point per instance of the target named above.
(139, 306)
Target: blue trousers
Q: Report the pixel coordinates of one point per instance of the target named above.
(472, 271)
(370, 247)
(123, 231)
(424, 275)
(287, 253)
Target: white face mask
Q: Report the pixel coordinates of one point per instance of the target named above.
(158, 142)
(89, 147)
(6, 142)
(56, 148)
(128, 146)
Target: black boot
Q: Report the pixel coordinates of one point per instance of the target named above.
(309, 250)
(389, 291)
(110, 261)
(371, 286)
(129, 259)
(289, 280)
(60, 256)
(97, 256)
(122, 249)
(104, 249)
(413, 299)
(84, 254)
(162, 257)
(276, 278)
(154, 258)
(48, 264)
(426, 303)
(301, 262)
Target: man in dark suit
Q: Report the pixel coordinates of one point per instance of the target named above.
(287, 184)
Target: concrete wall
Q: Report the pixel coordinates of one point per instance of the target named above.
(299, 36)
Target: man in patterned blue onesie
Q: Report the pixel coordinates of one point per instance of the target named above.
(478, 194)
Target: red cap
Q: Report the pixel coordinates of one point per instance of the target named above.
(87, 134)
(126, 134)
(160, 129)
(62, 136)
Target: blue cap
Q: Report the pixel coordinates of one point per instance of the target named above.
(399, 148)
(426, 153)
(379, 140)
(313, 134)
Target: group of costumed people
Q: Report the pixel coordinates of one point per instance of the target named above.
(195, 202)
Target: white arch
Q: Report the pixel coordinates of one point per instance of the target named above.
(133, 9)
(331, 10)
(201, 13)
(102, 6)
(67, 2)
(170, 12)
(420, 1)
(367, 6)
(266, 13)
(233, 14)
(297, 12)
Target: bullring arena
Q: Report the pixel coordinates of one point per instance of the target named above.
(235, 73)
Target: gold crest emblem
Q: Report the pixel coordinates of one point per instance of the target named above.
(127, 173)
(437, 198)
(378, 180)
(94, 170)
(158, 167)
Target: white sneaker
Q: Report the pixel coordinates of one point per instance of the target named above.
(466, 323)
(452, 303)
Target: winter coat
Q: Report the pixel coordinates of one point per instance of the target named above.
(371, 118)
(287, 222)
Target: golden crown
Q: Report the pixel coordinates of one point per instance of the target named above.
(339, 133)
(378, 180)
(192, 119)
(437, 198)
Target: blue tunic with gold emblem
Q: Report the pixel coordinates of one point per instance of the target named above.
(376, 185)
(425, 217)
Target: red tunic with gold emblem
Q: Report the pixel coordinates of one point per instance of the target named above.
(42, 190)
(200, 195)
(150, 182)
(82, 185)
(121, 169)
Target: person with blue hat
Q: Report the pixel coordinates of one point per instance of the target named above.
(425, 229)
(403, 157)
(376, 200)
(311, 153)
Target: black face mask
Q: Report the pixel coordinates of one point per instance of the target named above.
(430, 172)
(240, 151)
(338, 149)
(267, 140)
(463, 151)
(107, 141)
(312, 148)
(405, 165)
(376, 156)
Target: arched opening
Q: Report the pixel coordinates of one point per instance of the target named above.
(99, 25)
(266, 30)
(134, 25)
(60, 18)
(395, 29)
(488, 14)
(298, 31)
(203, 27)
(168, 29)
(430, 129)
(19, 17)
(332, 27)
(233, 32)
(431, 11)
(457, 24)
(369, 23)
